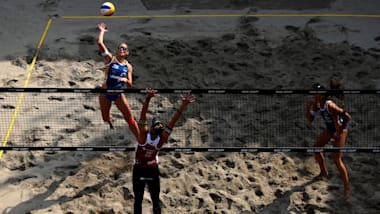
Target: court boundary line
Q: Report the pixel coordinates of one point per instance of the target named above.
(26, 82)
(168, 16)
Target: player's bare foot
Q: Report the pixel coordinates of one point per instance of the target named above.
(321, 176)
(111, 125)
(347, 192)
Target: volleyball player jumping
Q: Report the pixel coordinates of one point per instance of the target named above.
(118, 74)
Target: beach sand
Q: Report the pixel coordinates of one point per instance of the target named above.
(229, 53)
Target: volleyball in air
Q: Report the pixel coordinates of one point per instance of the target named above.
(107, 9)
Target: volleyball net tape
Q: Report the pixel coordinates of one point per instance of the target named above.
(224, 120)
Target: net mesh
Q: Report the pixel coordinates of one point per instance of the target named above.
(213, 121)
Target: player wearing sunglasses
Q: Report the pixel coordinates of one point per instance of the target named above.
(118, 74)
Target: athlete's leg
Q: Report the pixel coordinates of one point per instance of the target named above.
(123, 105)
(154, 190)
(321, 141)
(138, 190)
(340, 142)
(105, 108)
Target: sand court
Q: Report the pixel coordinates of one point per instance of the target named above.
(226, 45)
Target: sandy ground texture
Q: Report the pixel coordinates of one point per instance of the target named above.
(199, 52)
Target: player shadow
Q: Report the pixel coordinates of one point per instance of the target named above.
(39, 201)
(281, 204)
(60, 173)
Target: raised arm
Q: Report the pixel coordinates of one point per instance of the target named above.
(102, 47)
(143, 123)
(186, 99)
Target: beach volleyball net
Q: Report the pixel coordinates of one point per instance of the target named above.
(220, 120)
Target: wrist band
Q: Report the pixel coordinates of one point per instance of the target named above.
(105, 53)
(143, 122)
(313, 113)
(168, 130)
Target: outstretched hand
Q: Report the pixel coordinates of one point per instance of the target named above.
(188, 98)
(103, 27)
(151, 92)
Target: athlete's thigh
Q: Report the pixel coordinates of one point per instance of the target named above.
(154, 184)
(138, 184)
(323, 138)
(105, 104)
(340, 140)
(122, 104)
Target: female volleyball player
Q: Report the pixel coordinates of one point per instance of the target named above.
(118, 74)
(150, 141)
(336, 119)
